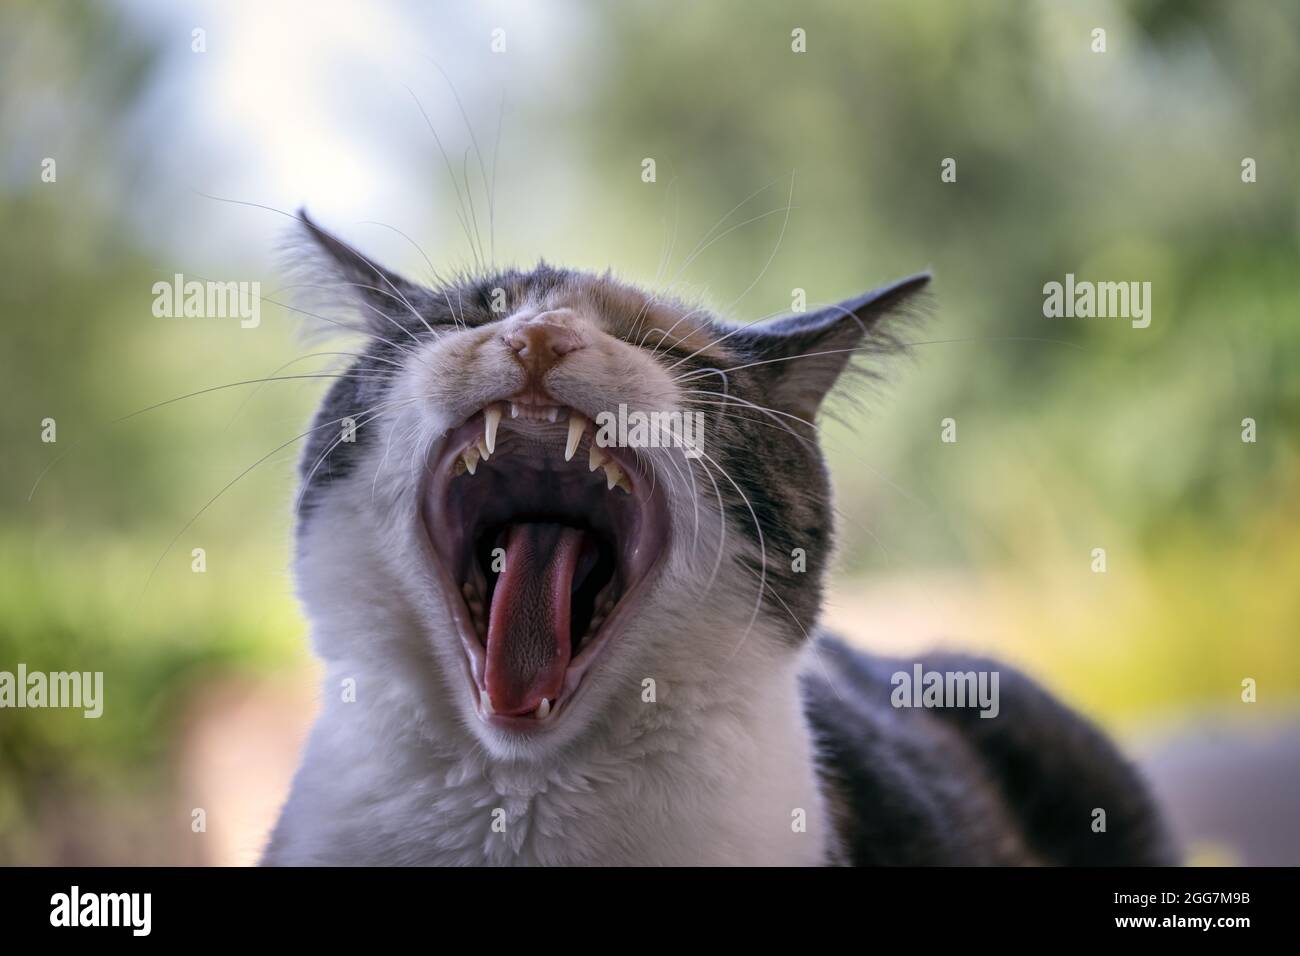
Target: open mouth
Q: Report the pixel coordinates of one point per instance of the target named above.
(543, 541)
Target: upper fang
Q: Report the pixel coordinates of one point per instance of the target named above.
(577, 425)
(491, 419)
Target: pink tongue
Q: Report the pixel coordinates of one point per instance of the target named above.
(528, 645)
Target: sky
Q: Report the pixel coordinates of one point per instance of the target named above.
(327, 111)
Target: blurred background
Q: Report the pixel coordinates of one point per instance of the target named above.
(179, 151)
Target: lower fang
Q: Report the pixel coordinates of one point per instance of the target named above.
(613, 476)
(485, 701)
(543, 709)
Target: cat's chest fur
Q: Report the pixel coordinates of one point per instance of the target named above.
(704, 782)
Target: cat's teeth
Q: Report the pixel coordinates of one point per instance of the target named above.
(614, 476)
(491, 419)
(483, 450)
(543, 709)
(470, 457)
(514, 410)
(577, 425)
(552, 413)
(485, 701)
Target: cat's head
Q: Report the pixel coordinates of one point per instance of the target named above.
(544, 498)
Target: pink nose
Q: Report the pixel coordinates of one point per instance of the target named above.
(541, 341)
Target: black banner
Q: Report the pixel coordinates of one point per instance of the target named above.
(215, 906)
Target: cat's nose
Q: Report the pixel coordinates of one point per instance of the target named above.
(541, 341)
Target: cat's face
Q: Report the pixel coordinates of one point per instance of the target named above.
(542, 499)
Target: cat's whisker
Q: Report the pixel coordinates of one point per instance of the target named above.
(722, 514)
(488, 187)
(398, 293)
(709, 370)
(877, 348)
(179, 398)
(845, 516)
(302, 358)
(722, 526)
(666, 257)
(704, 242)
(361, 302)
(738, 330)
(766, 265)
(298, 218)
(432, 271)
(462, 214)
(811, 642)
(473, 211)
(492, 190)
(356, 329)
(357, 420)
(733, 400)
(776, 247)
(692, 493)
(306, 285)
(230, 484)
(664, 336)
(383, 463)
(740, 225)
(812, 444)
(707, 237)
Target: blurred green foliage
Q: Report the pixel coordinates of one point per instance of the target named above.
(1073, 434)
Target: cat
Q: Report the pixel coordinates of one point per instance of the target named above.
(545, 648)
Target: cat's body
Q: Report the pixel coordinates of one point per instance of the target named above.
(945, 786)
(876, 785)
(524, 666)
(695, 779)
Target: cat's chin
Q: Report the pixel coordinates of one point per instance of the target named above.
(544, 544)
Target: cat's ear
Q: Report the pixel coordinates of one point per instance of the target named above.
(797, 359)
(341, 275)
